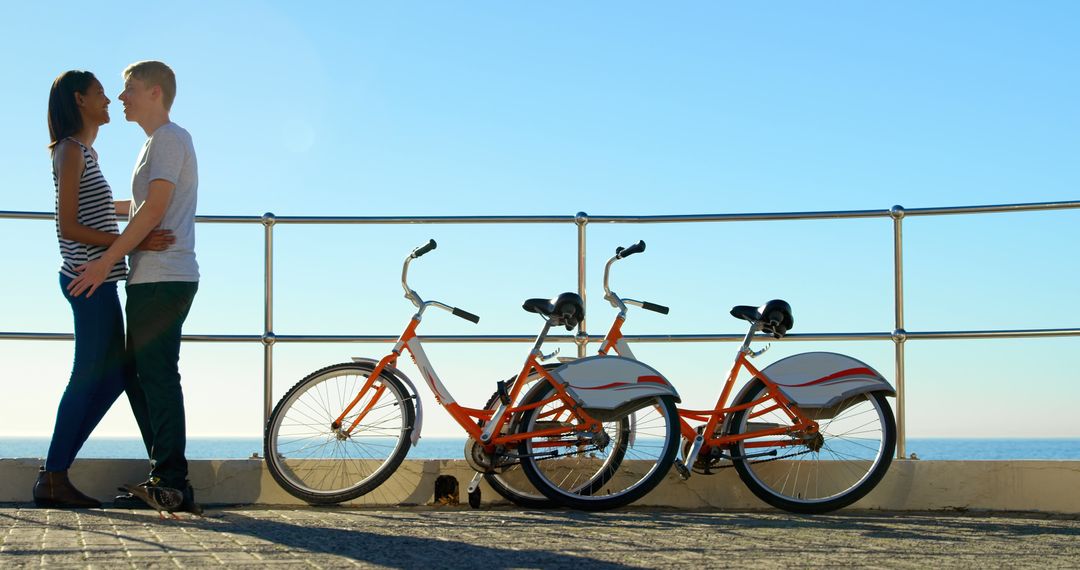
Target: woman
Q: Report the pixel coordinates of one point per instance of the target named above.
(85, 226)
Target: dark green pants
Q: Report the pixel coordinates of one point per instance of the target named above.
(155, 315)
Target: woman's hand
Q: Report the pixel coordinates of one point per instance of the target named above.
(157, 240)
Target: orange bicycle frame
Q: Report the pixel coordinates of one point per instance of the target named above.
(715, 417)
(467, 417)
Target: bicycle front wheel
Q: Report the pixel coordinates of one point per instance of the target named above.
(814, 473)
(320, 461)
(590, 471)
(511, 482)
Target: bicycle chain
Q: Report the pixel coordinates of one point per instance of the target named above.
(516, 459)
(730, 465)
(796, 454)
(784, 456)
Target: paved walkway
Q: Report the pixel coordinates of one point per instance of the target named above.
(494, 539)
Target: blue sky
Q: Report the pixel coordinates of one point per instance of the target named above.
(480, 108)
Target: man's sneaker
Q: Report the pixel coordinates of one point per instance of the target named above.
(188, 505)
(126, 500)
(161, 499)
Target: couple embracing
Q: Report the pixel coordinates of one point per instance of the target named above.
(159, 243)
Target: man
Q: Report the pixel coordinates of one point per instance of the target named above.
(161, 285)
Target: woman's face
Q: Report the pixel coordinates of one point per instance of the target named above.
(94, 104)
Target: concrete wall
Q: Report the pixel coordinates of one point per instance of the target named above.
(1049, 486)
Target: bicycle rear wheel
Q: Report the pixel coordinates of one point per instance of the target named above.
(845, 461)
(599, 471)
(319, 462)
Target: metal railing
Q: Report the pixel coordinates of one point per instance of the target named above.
(899, 335)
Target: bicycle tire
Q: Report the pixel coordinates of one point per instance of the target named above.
(596, 493)
(856, 455)
(311, 449)
(511, 483)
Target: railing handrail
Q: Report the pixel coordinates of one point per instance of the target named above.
(898, 335)
(690, 337)
(744, 217)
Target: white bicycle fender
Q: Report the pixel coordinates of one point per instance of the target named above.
(823, 379)
(414, 434)
(608, 382)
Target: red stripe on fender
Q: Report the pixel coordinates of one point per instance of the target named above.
(835, 375)
(605, 386)
(640, 380)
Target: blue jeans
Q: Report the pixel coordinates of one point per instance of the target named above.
(97, 375)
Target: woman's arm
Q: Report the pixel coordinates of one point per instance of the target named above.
(68, 164)
(151, 212)
(123, 208)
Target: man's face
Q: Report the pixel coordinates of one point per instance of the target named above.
(137, 98)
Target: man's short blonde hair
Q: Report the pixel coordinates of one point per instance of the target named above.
(153, 73)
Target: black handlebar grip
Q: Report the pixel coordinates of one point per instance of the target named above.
(466, 315)
(430, 245)
(654, 307)
(623, 252)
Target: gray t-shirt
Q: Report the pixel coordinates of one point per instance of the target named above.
(167, 155)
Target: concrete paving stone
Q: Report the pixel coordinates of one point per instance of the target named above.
(100, 545)
(235, 556)
(151, 563)
(106, 554)
(198, 561)
(504, 538)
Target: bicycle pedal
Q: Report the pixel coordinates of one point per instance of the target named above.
(681, 468)
(504, 397)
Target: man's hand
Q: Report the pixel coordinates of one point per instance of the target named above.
(157, 240)
(91, 276)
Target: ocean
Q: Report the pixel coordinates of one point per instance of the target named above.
(453, 448)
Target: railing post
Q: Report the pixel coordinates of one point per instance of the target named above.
(899, 335)
(268, 220)
(582, 339)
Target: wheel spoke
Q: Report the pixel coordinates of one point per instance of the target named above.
(854, 444)
(584, 473)
(316, 463)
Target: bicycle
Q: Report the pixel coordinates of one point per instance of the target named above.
(593, 434)
(810, 433)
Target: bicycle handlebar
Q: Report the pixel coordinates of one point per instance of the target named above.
(654, 307)
(624, 252)
(615, 300)
(465, 315)
(430, 245)
(415, 298)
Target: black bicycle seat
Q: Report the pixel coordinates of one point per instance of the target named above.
(540, 306)
(774, 316)
(567, 309)
(746, 313)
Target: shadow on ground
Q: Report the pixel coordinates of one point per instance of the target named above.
(363, 546)
(510, 538)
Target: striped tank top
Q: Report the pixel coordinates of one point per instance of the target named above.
(97, 211)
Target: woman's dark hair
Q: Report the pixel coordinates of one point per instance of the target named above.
(64, 117)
